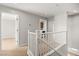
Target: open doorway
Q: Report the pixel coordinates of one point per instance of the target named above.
(73, 35)
(9, 31)
(43, 25)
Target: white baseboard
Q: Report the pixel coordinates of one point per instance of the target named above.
(74, 51)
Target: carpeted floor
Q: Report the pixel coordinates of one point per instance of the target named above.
(9, 48)
(8, 44)
(21, 51)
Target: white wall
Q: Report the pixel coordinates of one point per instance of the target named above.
(50, 24)
(60, 22)
(73, 29)
(25, 19)
(7, 26)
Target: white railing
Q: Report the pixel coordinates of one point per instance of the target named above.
(41, 44)
(32, 43)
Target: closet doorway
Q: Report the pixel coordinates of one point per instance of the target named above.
(73, 34)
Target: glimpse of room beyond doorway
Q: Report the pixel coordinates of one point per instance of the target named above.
(8, 31)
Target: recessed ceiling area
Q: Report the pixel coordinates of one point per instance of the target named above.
(42, 9)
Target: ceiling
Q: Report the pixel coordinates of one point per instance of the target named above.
(42, 9)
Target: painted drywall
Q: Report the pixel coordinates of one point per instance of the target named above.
(7, 26)
(73, 31)
(27, 21)
(60, 22)
(69, 30)
(50, 24)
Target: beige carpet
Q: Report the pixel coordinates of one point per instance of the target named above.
(9, 48)
(21, 51)
(8, 44)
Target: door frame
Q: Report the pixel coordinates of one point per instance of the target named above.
(45, 25)
(17, 31)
